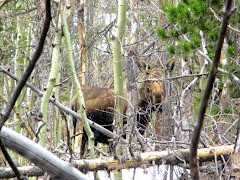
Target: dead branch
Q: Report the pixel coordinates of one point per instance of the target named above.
(176, 157)
(28, 171)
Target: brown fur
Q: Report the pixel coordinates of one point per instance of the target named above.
(152, 91)
(96, 99)
(100, 103)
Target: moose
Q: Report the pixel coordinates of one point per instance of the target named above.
(100, 104)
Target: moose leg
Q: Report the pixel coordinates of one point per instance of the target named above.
(83, 144)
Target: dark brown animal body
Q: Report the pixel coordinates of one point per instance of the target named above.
(100, 104)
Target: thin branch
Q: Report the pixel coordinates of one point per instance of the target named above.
(65, 80)
(214, 69)
(3, 3)
(103, 32)
(216, 16)
(7, 110)
(69, 144)
(18, 14)
(25, 12)
(237, 143)
(174, 78)
(234, 78)
(187, 89)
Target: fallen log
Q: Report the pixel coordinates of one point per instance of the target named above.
(176, 157)
(146, 159)
(51, 164)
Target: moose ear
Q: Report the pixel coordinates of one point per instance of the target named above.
(170, 64)
(140, 61)
(142, 64)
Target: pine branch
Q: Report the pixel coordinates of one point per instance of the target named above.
(207, 92)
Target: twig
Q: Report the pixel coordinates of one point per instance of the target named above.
(103, 153)
(39, 129)
(216, 16)
(237, 143)
(102, 33)
(65, 80)
(232, 125)
(234, 78)
(140, 139)
(187, 89)
(174, 78)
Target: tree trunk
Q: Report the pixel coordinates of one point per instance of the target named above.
(118, 72)
(51, 83)
(77, 84)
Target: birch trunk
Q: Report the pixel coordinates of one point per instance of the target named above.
(118, 62)
(51, 83)
(77, 85)
(118, 71)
